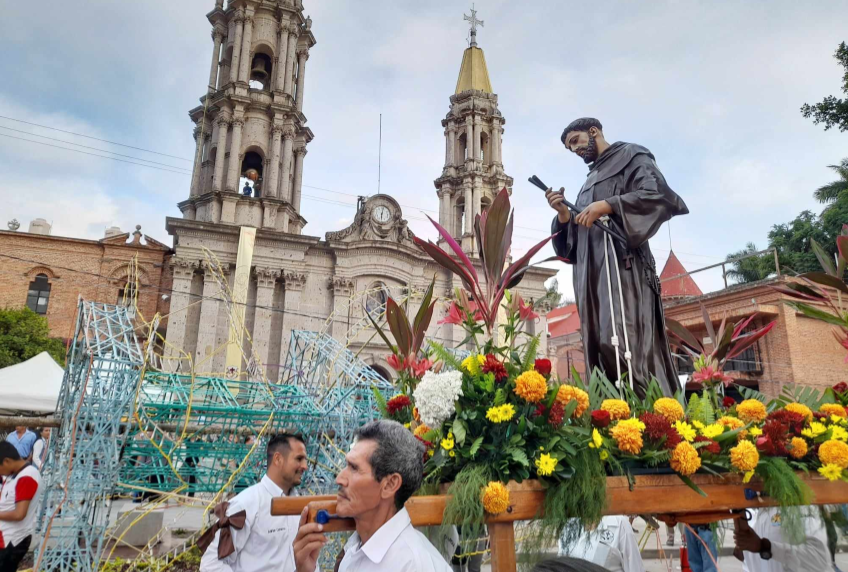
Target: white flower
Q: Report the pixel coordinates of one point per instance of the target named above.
(436, 395)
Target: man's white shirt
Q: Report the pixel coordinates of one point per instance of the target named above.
(265, 542)
(812, 555)
(612, 545)
(395, 547)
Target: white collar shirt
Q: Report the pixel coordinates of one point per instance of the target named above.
(395, 547)
(812, 555)
(611, 545)
(265, 542)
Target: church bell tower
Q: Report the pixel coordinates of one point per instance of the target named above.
(473, 172)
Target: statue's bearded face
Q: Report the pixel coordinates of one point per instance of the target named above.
(583, 144)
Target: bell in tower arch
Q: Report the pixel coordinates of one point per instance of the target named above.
(260, 69)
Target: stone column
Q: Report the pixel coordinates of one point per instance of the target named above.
(247, 38)
(497, 139)
(444, 209)
(477, 200)
(199, 134)
(223, 121)
(180, 300)
(447, 148)
(477, 135)
(285, 185)
(266, 278)
(234, 60)
(469, 210)
(302, 56)
(274, 168)
(207, 336)
(294, 283)
(217, 37)
(451, 145)
(280, 60)
(235, 155)
(299, 154)
(342, 291)
(293, 33)
(469, 139)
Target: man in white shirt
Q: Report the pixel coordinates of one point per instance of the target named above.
(764, 548)
(384, 468)
(39, 450)
(247, 538)
(18, 499)
(611, 545)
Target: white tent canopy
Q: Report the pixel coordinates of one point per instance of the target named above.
(32, 386)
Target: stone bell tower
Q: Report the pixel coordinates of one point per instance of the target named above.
(473, 172)
(250, 122)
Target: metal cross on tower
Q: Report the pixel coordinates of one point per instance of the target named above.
(474, 22)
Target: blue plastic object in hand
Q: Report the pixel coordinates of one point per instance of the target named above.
(322, 517)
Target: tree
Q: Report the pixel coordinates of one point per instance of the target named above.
(750, 269)
(24, 334)
(830, 192)
(832, 111)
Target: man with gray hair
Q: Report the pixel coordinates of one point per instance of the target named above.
(384, 468)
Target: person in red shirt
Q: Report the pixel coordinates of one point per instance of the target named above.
(18, 500)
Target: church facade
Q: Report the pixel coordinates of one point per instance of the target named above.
(251, 124)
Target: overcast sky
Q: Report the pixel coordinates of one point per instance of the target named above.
(712, 88)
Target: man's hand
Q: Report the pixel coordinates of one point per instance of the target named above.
(556, 200)
(307, 544)
(593, 212)
(746, 539)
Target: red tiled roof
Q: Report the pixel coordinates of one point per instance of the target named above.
(563, 321)
(683, 286)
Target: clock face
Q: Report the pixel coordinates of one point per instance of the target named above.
(381, 214)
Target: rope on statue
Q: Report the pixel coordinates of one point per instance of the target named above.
(608, 244)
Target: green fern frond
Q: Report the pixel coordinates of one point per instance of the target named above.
(444, 355)
(381, 401)
(530, 354)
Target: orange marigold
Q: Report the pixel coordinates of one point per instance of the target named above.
(685, 459)
(834, 453)
(495, 498)
(801, 409)
(751, 411)
(745, 457)
(415, 414)
(531, 386)
(569, 393)
(669, 408)
(421, 430)
(833, 409)
(733, 423)
(617, 408)
(798, 448)
(628, 435)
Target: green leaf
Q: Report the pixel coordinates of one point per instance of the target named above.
(530, 354)
(459, 431)
(381, 402)
(380, 331)
(823, 257)
(520, 456)
(500, 397)
(399, 325)
(475, 446)
(815, 313)
(692, 485)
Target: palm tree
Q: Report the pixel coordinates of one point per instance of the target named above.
(750, 269)
(828, 193)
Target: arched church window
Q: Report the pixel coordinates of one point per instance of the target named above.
(375, 300)
(251, 174)
(126, 295)
(38, 295)
(260, 72)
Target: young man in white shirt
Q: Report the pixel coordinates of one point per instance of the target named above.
(18, 499)
(762, 547)
(248, 538)
(384, 468)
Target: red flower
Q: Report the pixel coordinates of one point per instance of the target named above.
(540, 410)
(728, 402)
(658, 427)
(600, 418)
(774, 438)
(556, 414)
(454, 316)
(525, 312)
(710, 374)
(397, 403)
(794, 422)
(395, 362)
(713, 446)
(840, 387)
(543, 366)
(417, 367)
(492, 365)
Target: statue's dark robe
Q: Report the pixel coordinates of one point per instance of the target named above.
(627, 177)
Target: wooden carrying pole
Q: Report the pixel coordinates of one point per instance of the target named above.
(651, 494)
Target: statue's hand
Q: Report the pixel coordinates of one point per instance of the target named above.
(593, 212)
(556, 200)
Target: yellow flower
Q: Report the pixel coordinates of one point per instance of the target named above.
(569, 393)
(733, 423)
(747, 478)
(744, 456)
(597, 440)
(751, 411)
(711, 431)
(545, 465)
(838, 433)
(800, 408)
(472, 363)
(431, 452)
(531, 386)
(617, 408)
(756, 431)
(799, 448)
(833, 409)
(406, 425)
(831, 472)
(604, 455)
(697, 424)
(837, 420)
(685, 459)
(501, 413)
(421, 430)
(669, 408)
(834, 452)
(628, 435)
(448, 443)
(814, 430)
(495, 498)
(452, 454)
(686, 431)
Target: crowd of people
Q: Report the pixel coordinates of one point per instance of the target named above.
(22, 456)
